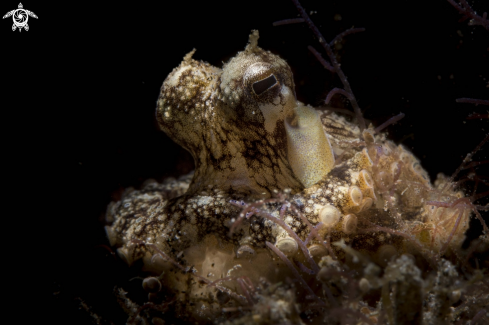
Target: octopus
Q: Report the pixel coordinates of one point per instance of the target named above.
(271, 171)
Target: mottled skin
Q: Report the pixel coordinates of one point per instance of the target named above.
(238, 142)
(233, 122)
(215, 114)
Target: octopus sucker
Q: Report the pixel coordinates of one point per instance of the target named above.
(270, 170)
(329, 215)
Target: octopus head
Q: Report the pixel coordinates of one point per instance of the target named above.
(243, 124)
(258, 86)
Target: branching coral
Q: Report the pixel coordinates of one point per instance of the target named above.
(468, 13)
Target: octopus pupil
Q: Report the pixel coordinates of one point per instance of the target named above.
(261, 86)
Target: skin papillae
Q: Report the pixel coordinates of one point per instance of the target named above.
(276, 178)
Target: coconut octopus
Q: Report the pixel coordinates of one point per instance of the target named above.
(306, 178)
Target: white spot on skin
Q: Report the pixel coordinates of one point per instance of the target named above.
(273, 113)
(174, 80)
(204, 200)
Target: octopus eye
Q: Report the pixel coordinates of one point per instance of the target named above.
(261, 86)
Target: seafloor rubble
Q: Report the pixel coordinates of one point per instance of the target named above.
(292, 215)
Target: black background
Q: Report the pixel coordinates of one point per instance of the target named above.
(80, 89)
